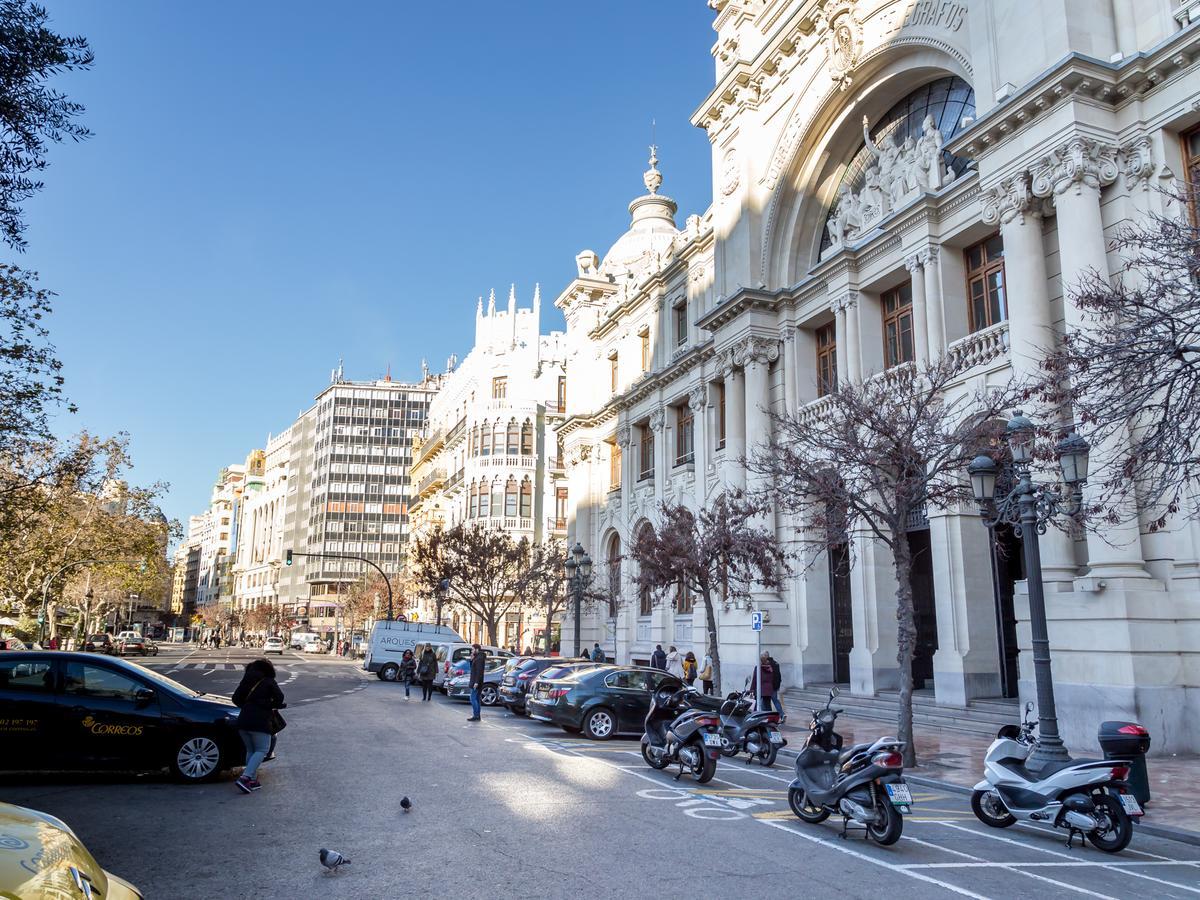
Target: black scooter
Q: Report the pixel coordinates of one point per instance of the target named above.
(678, 733)
(745, 728)
(864, 783)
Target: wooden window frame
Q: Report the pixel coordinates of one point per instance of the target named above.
(897, 317)
(500, 387)
(614, 466)
(615, 372)
(645, 453)
(1191, 170)
(647, 354)
(685, 435)
(826, 358)
(720, 415)
(685, 602)
(981, 275)
(680, 323)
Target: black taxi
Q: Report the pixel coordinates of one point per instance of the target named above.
(76, 711)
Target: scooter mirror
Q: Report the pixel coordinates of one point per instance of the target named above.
(1028, 707)
(833, 692)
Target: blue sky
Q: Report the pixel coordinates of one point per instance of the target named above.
(274, 185)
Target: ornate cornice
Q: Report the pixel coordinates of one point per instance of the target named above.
(1012, 198)
(1082, 162)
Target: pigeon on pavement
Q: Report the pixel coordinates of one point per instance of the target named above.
(406, 804)
(331, 859)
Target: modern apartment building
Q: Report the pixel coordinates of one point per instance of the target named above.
(347, 490)
(489, 455)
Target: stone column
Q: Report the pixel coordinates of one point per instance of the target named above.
(698, 403)
(933, 301)
(1073, 175)
(853, 344)
(735, 425)
(839, 333)
(916, 271)
(757, 354)
(1030, 331)
(791, 370)
(628, 478)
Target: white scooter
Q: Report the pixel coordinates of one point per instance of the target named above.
(1087, 797)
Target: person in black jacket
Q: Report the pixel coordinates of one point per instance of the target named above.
(426, 672)
(658, 659)
(408, 670)
(258, 697)
(776, 684)
(478, 659)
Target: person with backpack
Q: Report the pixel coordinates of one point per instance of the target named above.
(689, 669)
(426, 671)
(658, 659)
(762, 682)
(408, 670)
(259, 700)
(598, 653)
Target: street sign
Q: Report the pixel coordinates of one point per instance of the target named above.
(756, 620)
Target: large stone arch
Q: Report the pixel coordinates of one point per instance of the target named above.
(816, 144)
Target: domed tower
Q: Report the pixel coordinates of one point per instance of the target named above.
(651, 233)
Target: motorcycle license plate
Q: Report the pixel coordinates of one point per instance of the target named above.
(712, 740)
(1131, 805)
(775, 737)
(899, 794)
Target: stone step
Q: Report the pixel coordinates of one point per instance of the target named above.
(978, 717)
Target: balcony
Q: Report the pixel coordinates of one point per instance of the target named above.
(455, 480)
(554, 408)
(435, 479)
(556, 524)
(504, 461)
(980, 347)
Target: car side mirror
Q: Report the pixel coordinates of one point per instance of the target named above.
(144, 697)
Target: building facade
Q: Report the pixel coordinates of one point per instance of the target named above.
(347, 491)
(216, 537)
(489, 455)
(260, 550)
(894, 181)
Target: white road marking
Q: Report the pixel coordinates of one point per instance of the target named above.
(209, 672)
(877, 862)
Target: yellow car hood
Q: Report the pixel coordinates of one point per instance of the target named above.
(40, 857)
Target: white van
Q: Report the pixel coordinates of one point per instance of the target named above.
(389, 640)
(300, 638)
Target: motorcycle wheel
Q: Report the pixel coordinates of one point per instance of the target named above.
(886, 832)
(729, 752)
(651, 761)
(809, 812)
(1117, 837)
(767, 757)
(707, 769)
(987, 813)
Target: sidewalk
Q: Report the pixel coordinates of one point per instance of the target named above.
(955, 760)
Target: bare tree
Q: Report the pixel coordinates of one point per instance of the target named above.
(720, 552)
(542, 581)
(485, 570)
(881, 451)
(1131, 371)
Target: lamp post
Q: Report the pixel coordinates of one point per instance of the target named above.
(1029, 507)
(443, 591)
(577, 572)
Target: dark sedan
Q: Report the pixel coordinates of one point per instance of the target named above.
(601, 702)
(80, 711)
(514, 686)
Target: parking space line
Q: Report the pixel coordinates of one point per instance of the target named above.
(1064, 884)
(893, 867)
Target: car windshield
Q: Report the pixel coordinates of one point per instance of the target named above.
(161, 680)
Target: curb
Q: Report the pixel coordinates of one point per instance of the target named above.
(1163, 831)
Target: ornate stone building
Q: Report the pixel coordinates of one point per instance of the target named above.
(894, 180)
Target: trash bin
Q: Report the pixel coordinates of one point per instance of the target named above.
(1128, 740)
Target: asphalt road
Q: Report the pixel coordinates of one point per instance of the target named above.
(510, 807)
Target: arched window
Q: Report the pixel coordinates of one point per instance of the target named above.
(527, 438)
(497, 497)
(948, 100)
(645, 597)
(483, 444)
(526, 498)
(498, 439)
(510, 498)
(514, 438)
(474, 507)
(614, 569)
(484, 504)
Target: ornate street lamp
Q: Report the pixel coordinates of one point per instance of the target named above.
(577, 572)
(1029, 508)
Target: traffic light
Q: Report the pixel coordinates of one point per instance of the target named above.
(287, 560)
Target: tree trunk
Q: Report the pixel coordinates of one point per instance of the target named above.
(710, 623)
(493, 629)
(906, 639)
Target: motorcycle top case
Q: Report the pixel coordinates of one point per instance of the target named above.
(1116, 744)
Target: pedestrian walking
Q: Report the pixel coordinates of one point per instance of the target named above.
(658, 659)
(598, 653)
(217, 641)
(674, 664)
(426, 669)
(408, 670)
(706, 674)
(776, 684)
(259, 700)
(478, 658)
(689, 669)
(762, 682)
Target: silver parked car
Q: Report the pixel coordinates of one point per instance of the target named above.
(458, 687)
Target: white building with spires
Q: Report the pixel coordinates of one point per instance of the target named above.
(488, 455)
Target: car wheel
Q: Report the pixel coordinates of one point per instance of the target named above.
(196, 758)
(599, 724)
(489, 695)
(390, 672)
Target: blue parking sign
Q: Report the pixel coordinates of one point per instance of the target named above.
(756, 621)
